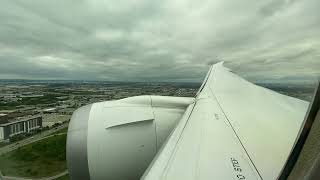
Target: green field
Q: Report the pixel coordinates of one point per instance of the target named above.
(3, 144)
(46, 99)
(40, 159)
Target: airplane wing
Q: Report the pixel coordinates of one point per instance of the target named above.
(233, 130)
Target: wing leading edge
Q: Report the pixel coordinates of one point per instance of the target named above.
(234, 130)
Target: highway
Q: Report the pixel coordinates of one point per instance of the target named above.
(29, 140)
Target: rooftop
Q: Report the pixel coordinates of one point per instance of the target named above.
(20, 120)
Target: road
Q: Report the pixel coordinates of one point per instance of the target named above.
(29, 140)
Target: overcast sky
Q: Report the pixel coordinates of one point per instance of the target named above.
(166, 40)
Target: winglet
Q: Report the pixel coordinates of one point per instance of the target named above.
(219, 65)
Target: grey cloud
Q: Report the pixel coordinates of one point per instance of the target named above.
(274, 6)
(158, 40)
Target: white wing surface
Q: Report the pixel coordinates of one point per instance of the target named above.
(234, 130)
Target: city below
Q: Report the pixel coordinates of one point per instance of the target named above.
(34, 117)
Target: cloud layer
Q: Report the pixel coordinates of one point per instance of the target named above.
(169, 40)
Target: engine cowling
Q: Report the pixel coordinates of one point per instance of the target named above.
(118, 139)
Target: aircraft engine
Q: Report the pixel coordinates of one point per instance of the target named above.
(118, 139)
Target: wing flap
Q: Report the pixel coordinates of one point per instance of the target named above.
(266, 122)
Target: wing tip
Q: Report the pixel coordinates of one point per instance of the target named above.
(220, 64)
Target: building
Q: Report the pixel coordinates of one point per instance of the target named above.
(67, 111)
(24, 125)
(49, 110)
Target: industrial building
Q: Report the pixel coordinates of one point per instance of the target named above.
(23, 125)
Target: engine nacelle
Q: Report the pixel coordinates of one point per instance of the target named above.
(118, 139)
